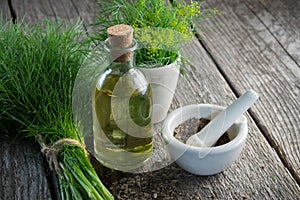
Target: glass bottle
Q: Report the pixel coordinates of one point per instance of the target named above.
(122, 102)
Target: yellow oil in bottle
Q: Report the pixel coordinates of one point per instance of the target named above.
(122, 118)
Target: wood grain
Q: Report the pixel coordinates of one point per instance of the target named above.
(250, 57)
(5, 14)
(282, 18)
(32, 11)
(22, 174)
(88, 11)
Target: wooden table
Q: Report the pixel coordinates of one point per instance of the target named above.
(255, 45)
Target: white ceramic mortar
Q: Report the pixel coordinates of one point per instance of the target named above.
(203, 160)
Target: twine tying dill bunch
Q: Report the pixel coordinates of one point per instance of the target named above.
(51, 152)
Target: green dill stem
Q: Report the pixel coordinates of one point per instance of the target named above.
(64, 192)
(61, 187)
(76, 194)
(91, 175)
(72, 183)
(98, 184)
(83, 181)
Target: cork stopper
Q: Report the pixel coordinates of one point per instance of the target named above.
(119, 38)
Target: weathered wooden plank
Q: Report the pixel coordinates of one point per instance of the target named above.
(88, 11)
(64, 10)
(22, 174)
(282, 20)
(250, 57)
(32, 11)
(5, 14)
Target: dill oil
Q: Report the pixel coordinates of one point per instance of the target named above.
(122, 102)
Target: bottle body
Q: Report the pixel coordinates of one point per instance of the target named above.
(122, 102)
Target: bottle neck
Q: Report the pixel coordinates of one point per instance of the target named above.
(118, 61)
(121, 56)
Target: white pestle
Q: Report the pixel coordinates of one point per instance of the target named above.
(209, 135)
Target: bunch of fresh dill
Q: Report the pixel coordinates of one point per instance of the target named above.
(38, 67)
